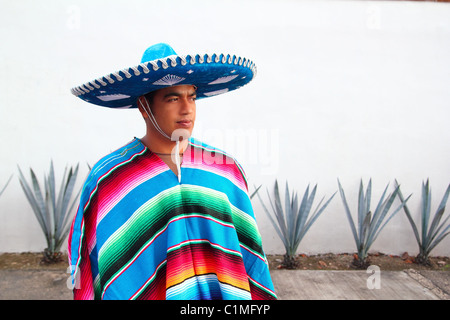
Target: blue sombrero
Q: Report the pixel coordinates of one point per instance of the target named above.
(161, 67)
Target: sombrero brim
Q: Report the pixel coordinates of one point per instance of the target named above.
(211, 74)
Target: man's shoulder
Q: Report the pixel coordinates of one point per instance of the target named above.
(216, 158)
(117, 157)
(204, 147)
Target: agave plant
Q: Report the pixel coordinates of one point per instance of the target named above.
(292, 222)
(432, 234)
(369, 225)
(255, 192)
(53, 211)
(1, 192)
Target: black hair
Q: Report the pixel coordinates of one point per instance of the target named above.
(149, 96)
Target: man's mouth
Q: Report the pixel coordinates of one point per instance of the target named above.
(184, 123)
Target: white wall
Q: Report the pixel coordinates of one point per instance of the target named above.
(345, 89)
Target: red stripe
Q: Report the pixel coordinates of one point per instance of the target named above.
(202, 258)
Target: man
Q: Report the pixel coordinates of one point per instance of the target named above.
(166, 216)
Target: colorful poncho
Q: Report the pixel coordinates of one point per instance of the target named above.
(140, 234)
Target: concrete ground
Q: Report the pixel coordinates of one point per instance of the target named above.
(360, 285)
(289, 285)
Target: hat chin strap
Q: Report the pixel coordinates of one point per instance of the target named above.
(147, 109)
(177, 159)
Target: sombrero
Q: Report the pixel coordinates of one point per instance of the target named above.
(161, 67)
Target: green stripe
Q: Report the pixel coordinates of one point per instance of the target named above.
(246, 225)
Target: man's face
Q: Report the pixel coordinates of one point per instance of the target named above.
(174, 108)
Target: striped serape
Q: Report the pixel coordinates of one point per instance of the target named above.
(140, 234)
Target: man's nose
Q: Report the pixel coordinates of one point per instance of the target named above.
(187, 105)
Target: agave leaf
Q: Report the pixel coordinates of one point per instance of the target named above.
(50, 213)
(315, 212)
(37, 191)
(375, 228)
(304, 210)
(318, 211)
(279, 212)
(304, 202)
(6, 185)
(294, 205)
(434, 227)
(438, 239)
(380, 207)
(65, 225)
(275, 225)
(289, 215)
(68, 217)
(408, 214)
(444, 198)
(251, 196)
(365, 226)
(64, 211)
(74, 202)
(442, 224)
(32, 200)
(63, 234)
(426, 208)
(41, 202)
(302, 214)
(362, 213)
(387, 220)
(434, 236)
(51, 194)
(437, 217)
(68, 190)
(364, 245)
(51, 186)
(349, 215)
(368, 197)
(315, 215)
(62, 187)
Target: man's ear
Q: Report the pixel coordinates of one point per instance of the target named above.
(141, 102)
